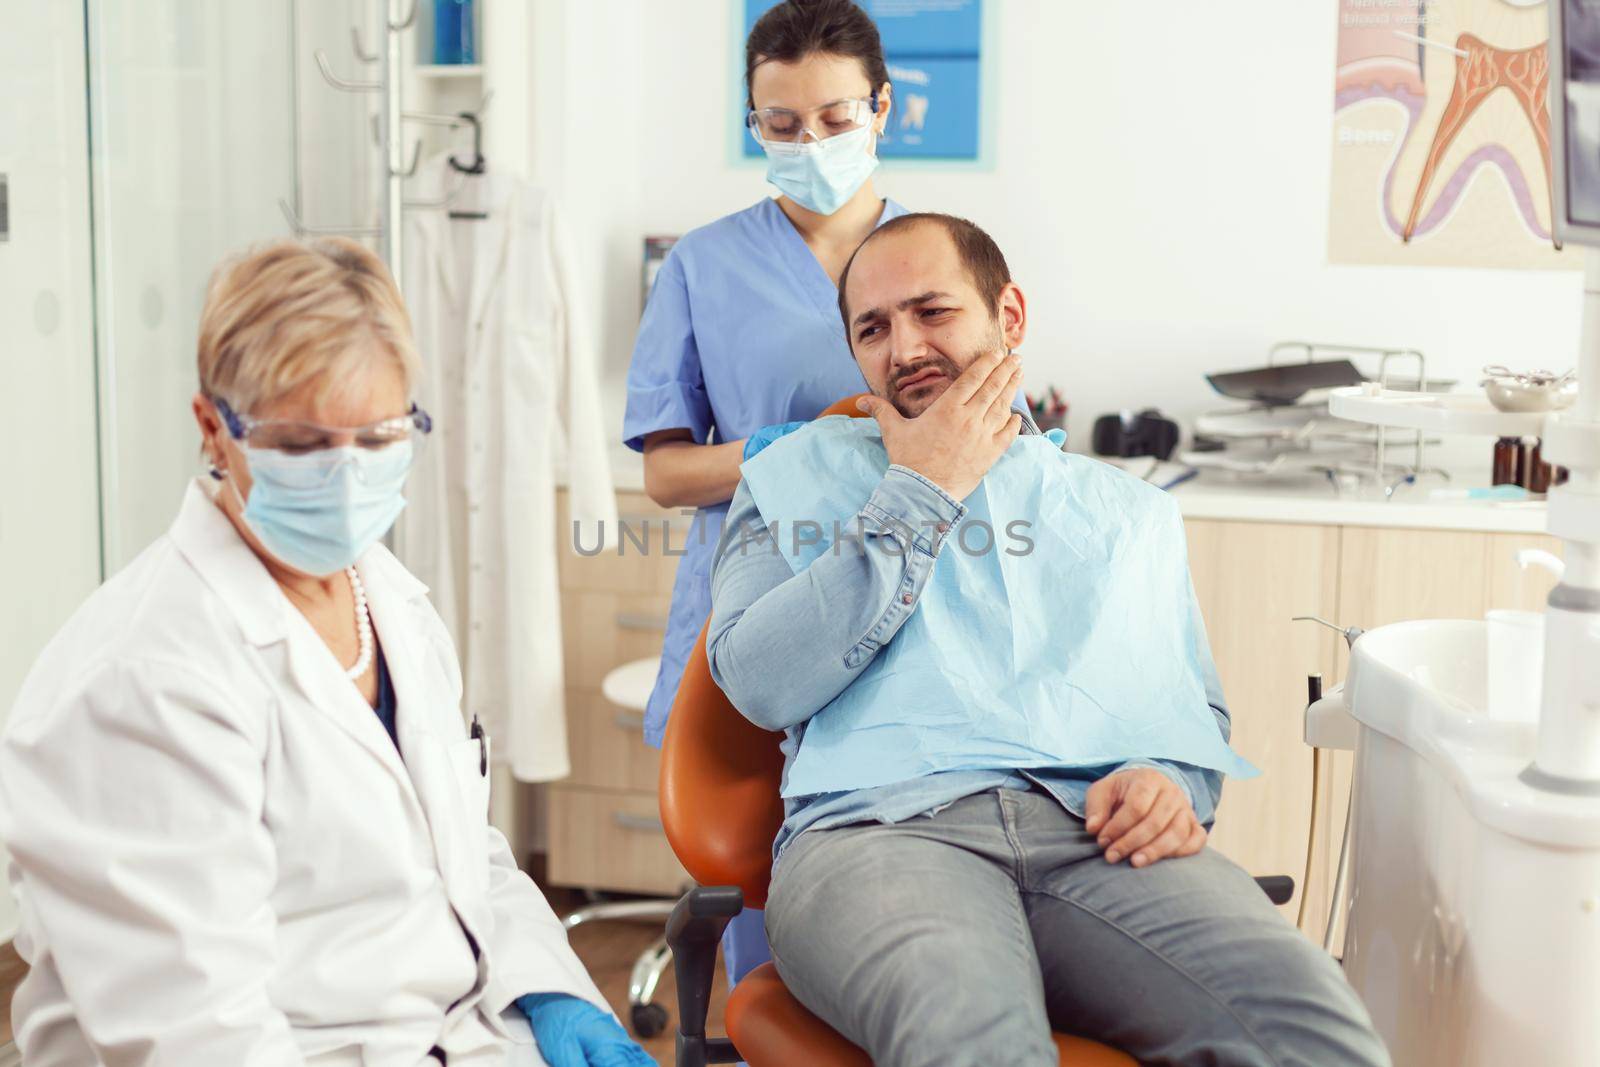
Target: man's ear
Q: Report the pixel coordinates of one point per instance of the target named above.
(1012, 314)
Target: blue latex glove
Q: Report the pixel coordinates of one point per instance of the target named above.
(766, 435)
(574, 1033)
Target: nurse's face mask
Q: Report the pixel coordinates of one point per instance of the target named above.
(818, 157)
(320, 496)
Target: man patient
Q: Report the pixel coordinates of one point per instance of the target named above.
(1004, 736)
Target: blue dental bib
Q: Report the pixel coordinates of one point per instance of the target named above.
(1059, 627)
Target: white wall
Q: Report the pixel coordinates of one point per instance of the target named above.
(49, 513)
(1160, 187)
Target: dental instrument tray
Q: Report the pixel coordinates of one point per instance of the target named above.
(1284, 427)
(1288, 423)
(1286, 383)
(1297, 368)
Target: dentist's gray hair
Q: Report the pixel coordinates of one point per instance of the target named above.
(286, 313)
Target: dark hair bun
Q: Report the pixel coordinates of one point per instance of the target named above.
(797, 29)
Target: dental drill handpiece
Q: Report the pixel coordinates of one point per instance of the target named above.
(1350, 633)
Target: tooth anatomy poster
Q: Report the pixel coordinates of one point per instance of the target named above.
(1441, 135)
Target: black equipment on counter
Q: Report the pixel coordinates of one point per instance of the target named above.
(1148, 433)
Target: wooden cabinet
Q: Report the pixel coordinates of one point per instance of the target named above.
(1509, 585)
(1250, 580)
(611, 839)
(603, 831)
(1388, 575)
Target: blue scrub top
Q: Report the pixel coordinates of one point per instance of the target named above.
(741, 331)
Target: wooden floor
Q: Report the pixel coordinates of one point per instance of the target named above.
(11, 971)
(608, 949)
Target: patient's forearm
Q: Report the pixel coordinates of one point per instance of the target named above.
(782, 645)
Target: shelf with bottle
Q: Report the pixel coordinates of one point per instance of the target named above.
(449, 39)
(450, 70)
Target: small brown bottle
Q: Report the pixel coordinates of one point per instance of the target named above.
(1535, 471)
(1507, 467)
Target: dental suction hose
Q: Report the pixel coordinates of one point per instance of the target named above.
(1568, 754)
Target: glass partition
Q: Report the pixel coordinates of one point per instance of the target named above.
(192, 145)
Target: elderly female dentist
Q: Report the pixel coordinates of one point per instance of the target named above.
(742, 328)
(248, 824)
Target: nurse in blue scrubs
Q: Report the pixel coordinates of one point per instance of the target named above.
(742, 328)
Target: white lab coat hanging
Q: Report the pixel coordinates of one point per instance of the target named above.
(510, 377)
(222, 857)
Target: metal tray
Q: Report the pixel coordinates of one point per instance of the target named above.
(1287, 383)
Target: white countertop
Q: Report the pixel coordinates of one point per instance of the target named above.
(1212, 497)
(1310, 500)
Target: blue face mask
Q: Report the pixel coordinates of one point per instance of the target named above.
(320, 511)
(821, 175)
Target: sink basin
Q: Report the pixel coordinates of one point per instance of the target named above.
(1473, 920)
(1434, 670)
(1424, 684)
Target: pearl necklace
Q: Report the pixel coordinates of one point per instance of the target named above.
(363, 625)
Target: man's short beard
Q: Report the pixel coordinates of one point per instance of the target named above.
(945, 364)
(942, 362)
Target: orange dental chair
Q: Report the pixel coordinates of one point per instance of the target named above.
(721, 811)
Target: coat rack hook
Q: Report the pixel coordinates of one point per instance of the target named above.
(360, 48)
(300, 229)
(340, 83)
(407, 21)
(416, 157)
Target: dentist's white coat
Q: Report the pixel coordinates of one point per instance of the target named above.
(222, 859)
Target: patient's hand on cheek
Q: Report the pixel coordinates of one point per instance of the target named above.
(1143, 814)
(961, 434)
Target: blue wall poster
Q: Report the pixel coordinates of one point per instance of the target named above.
(934, 52)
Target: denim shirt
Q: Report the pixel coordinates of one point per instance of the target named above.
(782, 645)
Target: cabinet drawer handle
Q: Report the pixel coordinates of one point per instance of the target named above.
(650, 824)
(630, 620)
(632, 721)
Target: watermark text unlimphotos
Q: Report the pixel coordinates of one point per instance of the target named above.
(866, 532)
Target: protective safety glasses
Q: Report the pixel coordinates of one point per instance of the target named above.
(295, 437)
(779, 126)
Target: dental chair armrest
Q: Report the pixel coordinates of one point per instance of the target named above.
(1279, 888)
(693, 932)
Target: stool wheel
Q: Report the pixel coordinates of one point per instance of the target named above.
(648, 1019)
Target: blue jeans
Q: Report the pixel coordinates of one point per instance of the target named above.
(744, 944)
(965, 937)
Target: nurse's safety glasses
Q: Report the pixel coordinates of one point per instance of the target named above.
(298, 438)
(781, 125)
